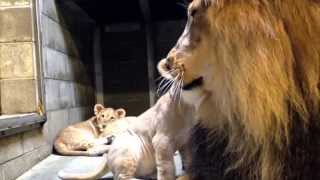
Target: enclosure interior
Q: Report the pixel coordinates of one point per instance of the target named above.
(121, 42)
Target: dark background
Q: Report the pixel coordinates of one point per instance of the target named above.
(125, 27)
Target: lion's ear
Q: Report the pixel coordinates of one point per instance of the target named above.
(121, 113)
(98, 108)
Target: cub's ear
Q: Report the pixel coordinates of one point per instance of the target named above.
(97, 108)
(121, 113)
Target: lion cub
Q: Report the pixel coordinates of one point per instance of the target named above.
(84, 138)
(147, 144)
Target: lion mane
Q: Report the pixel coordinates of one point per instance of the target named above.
(266, 63)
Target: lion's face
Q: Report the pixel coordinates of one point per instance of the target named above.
(107, 115)
(188, 58)
(259, 61)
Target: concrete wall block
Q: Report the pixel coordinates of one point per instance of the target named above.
(70, 68)
(57, 120)
(16, 25)
(58, 38)
(80, 114)
(7, 3)
(17, 60)
(84, 95)
(55, 64)
(11, 95)
(77, 71)
(32, 140)
(18, 166)
(49, 8)
(79, 90)
(59, 94)
(1, 173)
(11, 147)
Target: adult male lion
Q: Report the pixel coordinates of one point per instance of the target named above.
(260, 61)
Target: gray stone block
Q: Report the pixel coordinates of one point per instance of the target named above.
(55, 64)
(32, 140)
(16, 25)
(80, 114)
(49, 8)
(18, 96)
(84, 95)
(18, 166)
(11, 147)
(59, 94)
(10, 3)
(56, 37)
(57, 120)
(17, 60)
(1, 173)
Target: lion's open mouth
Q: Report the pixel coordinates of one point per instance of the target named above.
(193, 84)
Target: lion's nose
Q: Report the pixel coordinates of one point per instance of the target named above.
(169, 63)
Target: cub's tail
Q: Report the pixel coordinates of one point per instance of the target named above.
(95, 174)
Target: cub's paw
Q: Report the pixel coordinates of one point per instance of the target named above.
(110, 139)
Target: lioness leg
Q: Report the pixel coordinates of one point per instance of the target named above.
(125, 168)
(164, 157)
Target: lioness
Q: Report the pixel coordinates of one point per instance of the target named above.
(84, 138)
(148, 144)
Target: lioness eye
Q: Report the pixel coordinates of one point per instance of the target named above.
(102, 115)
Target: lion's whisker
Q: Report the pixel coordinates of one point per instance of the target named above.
(165, 87)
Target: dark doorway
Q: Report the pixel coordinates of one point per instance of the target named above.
(133, 36)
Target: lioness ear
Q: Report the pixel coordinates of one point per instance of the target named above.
(121, 113)
(97, 108)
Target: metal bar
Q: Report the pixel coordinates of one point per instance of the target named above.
(145, 9)
(20, 123)
(98, 65)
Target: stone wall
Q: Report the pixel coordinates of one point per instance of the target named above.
(17, 72)
(17, 57)
(67, 75)
(68, 65)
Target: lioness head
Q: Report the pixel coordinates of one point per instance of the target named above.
(107, 115)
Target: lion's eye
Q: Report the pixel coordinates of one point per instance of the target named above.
(193, 12)
(102, 115)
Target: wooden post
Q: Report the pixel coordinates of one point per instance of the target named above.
(98, 65)
(145, 9)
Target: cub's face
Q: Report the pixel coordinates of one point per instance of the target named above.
(107, 115)
(188, 59)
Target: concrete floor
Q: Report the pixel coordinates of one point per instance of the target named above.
(48, 168)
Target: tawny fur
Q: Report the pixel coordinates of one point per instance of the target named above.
(260, 60)
(86, 138)
(147, 143)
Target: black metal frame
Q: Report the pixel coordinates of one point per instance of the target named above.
(15, 124)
